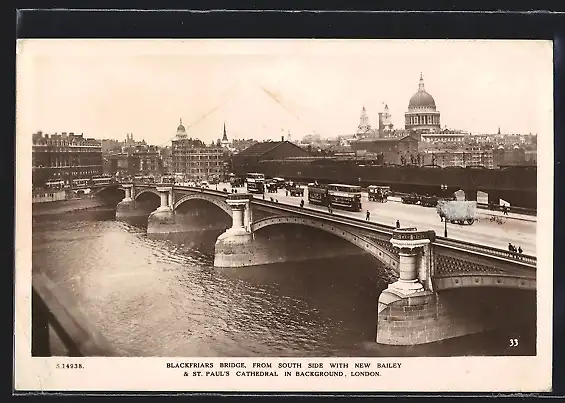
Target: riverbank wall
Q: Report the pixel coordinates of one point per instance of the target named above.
(67, 206)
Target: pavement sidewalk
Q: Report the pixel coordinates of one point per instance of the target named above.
(486, 212)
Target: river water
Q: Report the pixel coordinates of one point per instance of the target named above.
(163, 297)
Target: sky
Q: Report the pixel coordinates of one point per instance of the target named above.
(263, 89)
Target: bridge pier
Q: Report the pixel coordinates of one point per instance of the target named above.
(126, 208)
(234, 248)
(407, 308)
(162, 220)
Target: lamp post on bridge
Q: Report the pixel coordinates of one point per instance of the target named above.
(444, 189)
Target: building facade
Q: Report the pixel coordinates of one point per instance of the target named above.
(393, 150)
(422, 115)
(443, 137)
(65, 156)
(193, 159)
(468, 157)
(143, 160)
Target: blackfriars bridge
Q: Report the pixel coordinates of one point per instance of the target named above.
(420, 306)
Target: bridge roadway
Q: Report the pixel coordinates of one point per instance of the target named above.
(516, 229)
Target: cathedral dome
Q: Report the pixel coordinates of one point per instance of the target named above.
(422, 99)
(181, 127)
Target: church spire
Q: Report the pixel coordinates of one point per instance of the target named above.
(421, 86)
(225, 137)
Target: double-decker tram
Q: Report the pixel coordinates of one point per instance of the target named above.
(318, 194)
(101, 180)
(169, 179)
(81, 183)
(148, 179)
(255, 183)
(345, 196)
(55, 184)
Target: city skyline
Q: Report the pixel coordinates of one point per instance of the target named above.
(265, 89)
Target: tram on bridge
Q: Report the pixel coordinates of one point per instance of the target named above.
(345, 197)
(147, 179)
(102, 180)
(55, 184)
(255, 182)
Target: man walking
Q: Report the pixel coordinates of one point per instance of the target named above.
(397, 224)
(368, 215)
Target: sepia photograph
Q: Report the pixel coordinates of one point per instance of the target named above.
(338, 212)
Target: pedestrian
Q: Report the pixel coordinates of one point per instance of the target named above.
(368, 215)
(286, 192)
(301, 203)
(397, 224)
(509, 246)
(520, 249)
(505, 209)
(272, 199)
(263, 196)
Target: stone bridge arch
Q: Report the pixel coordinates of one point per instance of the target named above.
(146, 190)
(385, 256)
(202, 196)
(113, 189)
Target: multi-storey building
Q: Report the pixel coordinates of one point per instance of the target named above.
(193, 159)
(239, 145)
(444, 137)
(65, 156)
(514, 155)
(150, 162)
(138, 160)
(467, 157)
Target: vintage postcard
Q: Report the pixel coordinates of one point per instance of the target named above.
(284, 215)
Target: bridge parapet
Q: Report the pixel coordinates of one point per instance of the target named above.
(377, 232)
(515, 257)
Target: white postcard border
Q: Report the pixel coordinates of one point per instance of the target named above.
(424, 374)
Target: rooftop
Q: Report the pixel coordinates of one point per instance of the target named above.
(259, 149)
(385, 139)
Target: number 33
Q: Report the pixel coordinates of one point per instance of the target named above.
(513, 342)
